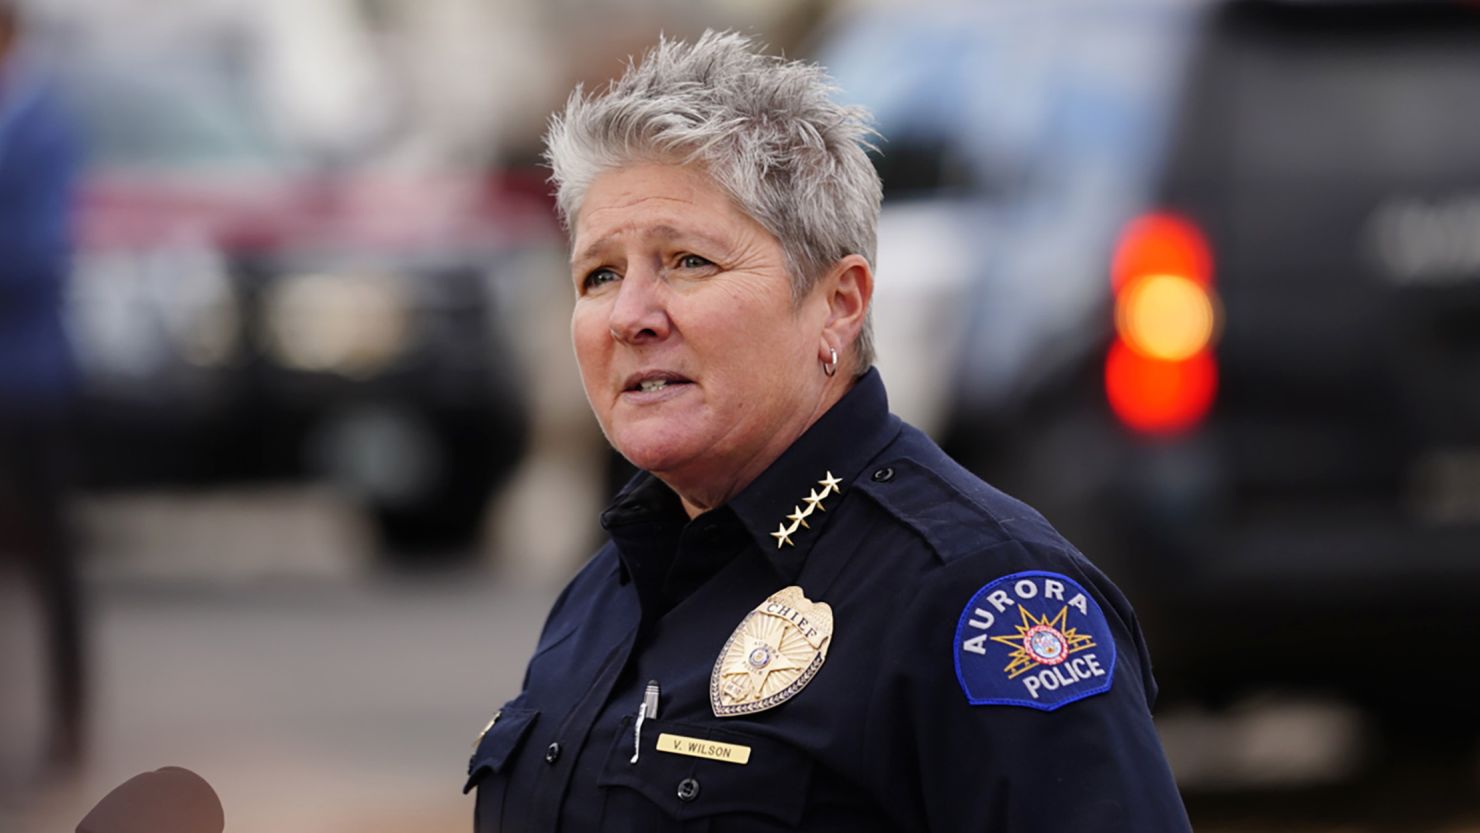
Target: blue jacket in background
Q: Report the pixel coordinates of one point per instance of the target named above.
(39, 162)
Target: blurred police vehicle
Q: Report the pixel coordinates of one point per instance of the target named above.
(1222, 267)
(242, 312)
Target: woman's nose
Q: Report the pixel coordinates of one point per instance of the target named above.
(639, 313)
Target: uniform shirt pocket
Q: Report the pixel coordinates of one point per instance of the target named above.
(767, 792)
(499, 743)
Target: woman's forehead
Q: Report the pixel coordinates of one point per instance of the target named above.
(651, 186)
(656, 203)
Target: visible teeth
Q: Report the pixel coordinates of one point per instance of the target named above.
(654, 384)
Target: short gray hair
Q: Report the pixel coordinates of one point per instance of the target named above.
(766, 129)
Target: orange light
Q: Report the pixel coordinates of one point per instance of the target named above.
(1158, 396)
(1165, 317)
(1161, 244)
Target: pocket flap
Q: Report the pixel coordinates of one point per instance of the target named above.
(499, 742)
(774, 782)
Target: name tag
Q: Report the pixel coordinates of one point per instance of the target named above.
(730, 753)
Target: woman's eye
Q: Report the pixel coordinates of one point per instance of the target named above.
(693, 262)
(597, 277)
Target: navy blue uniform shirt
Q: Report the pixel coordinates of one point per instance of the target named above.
(980, 675)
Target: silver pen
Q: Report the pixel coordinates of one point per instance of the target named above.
(649, 708)
(650, 699)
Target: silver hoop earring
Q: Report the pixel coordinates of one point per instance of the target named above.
(831, 368)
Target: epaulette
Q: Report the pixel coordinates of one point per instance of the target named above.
(950, 508)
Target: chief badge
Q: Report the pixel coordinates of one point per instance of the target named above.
(1033, 639)
(777, 649)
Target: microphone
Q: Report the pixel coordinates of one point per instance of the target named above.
(168, 800)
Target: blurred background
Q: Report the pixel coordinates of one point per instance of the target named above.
(294, 456)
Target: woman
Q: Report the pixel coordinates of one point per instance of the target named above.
(807, 617)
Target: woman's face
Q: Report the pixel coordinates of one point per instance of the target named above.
(698, 365)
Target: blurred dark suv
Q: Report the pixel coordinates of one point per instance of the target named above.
(1265, 423)
(244, 313)
(1302, 491)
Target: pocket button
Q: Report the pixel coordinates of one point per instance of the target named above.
(688, 789)
(552, 753)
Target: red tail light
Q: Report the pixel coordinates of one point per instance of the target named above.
(1161, 244)
(1160, 374)
(1158, 396)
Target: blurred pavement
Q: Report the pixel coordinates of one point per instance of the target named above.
(312, 693)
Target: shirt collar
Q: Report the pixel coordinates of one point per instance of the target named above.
(837, 446)
(774, 506)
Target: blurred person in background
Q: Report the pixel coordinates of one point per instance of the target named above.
(807, 616)
(39, 163)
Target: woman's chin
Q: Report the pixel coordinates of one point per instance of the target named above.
(651, 458)
(653, 439)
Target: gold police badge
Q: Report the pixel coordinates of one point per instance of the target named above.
(777, 649)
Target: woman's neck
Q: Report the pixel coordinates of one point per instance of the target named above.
(702, 493)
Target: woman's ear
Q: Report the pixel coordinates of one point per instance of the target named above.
(848, 288)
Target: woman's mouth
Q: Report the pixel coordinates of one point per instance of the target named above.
(655, 386)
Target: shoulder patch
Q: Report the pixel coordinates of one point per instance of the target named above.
(1034, 639)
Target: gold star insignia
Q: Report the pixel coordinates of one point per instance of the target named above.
(814, 501)
(829, 485)
(798, 516)
(783, 535)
